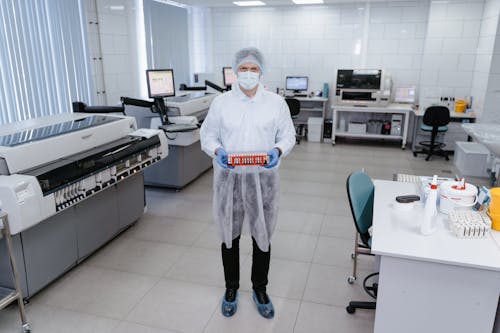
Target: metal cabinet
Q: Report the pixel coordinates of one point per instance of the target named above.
(55, 245)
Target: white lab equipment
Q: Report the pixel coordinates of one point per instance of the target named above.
(456, 195)
(428, 225)
(469, 223)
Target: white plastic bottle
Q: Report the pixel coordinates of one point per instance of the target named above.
(428, 225)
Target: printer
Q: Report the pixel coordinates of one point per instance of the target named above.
(50, 164)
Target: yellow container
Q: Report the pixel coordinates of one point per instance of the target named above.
(495, 221)
(460, 105)
(495, 200)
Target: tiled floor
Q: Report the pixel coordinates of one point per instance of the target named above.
(165, 275)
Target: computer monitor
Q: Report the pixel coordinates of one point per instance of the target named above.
(228, 76)
(405, 94)
(296, 83)
(160, 85)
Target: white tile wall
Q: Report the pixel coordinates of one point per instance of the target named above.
(113, 40)
(446, 48)
(95, 52)
(317, 40)
(450, 50)
(484, 84)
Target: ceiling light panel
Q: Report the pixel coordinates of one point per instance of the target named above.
(307, 2)
(249, 3)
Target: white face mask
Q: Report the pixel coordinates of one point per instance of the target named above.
(248, 80)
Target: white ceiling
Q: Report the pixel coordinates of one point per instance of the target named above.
(229, 3)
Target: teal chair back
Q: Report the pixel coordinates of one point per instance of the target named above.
(360, 190)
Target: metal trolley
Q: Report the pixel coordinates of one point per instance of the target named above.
(8, 295)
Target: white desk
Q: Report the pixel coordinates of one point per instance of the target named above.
(393, 108)
(436, 283)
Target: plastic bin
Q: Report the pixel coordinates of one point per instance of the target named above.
(471, 158)
(314, 129)
(356, 127)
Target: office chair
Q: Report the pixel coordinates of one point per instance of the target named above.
(294, 106)
(435, 120)
(360, 191)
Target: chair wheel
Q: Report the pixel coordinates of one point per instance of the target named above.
(353, 256)
(350, 309)
(351, 279)
(414, 154)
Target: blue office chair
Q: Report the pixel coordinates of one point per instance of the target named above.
(360, 191)
(435, 120)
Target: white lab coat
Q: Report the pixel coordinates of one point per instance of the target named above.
(241, 124)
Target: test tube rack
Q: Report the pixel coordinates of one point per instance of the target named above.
(247, 159)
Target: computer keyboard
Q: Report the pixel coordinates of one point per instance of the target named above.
(469, 223)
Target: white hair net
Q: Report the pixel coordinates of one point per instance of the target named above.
(248, 54)
(246, 194)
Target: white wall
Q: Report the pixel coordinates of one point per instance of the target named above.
(484, 54)
(449, 55)
(317, 40)
(396, 35)
(446, 48)
(112, 43)
(95, 52)
(490, 51)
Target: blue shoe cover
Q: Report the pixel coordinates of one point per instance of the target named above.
(265, 310)
(229, 308)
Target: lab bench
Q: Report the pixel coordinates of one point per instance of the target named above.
(343, 115)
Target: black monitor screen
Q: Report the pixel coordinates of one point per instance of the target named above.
(296, 83)
(228, 76)
(359, 79)
(160, 83)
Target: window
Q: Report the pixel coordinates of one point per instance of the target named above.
(44, 62)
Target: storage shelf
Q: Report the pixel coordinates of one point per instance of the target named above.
(368, 135)
(7, 296)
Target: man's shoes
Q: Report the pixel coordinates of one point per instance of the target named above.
(264, 304)
(229, 302)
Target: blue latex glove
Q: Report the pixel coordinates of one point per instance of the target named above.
(274, 157)
(221, 158)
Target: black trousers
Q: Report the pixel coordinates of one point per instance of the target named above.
(231, 262)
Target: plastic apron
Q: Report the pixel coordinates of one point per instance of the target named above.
(249, 194)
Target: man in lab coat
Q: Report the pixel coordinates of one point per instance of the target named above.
(247, 119)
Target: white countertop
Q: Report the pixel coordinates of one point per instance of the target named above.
(397, 234)
(390, 106)
(453, 114)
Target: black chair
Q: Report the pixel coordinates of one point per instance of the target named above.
(294, 106)
(435, 120)
(360, 191)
